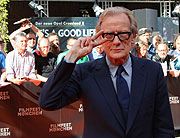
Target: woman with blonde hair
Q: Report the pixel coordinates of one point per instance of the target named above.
(156, 40)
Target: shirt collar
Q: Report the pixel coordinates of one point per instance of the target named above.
(113, 68)
(17, 52)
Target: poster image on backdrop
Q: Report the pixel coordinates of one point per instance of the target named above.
(66, 27)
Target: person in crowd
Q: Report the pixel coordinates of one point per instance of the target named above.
(123, 96)
(2, 67)
(144, 35)
(54, 43)
(175, 64)
(162, 57)
(142, 49)
(175, 53)
(70, 43)
(2, 63)
(31, 42)
(31, 38)
(2, 46)
(156, 40)
(20, 64)
(97, 52)
(45, 61)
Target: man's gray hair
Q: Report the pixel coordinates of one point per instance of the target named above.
(21, 34)
(117, 10)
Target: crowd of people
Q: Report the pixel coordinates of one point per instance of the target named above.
(158, 51)
(38, 56)
(34, 56)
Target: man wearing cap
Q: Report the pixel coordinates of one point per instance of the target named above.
(144, 35)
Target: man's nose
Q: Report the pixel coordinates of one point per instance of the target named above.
(24, 42)
(116, 40)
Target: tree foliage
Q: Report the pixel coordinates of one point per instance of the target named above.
(3, 20)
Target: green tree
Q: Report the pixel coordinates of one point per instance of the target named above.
(3, 20)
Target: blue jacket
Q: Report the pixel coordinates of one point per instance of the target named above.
(149, 110)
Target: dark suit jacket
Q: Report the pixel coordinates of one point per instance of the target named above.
(149, 111)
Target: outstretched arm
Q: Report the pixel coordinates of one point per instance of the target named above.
(26, 24)
(37, 31)
(13, 34)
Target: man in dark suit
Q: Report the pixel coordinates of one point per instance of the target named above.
(139, 109)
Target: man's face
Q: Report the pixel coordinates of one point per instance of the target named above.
(44, 47)
(21, 43)
(162, 51)
(54, 40)
(145, 37)
(99, 49)
(157, 41)
(117, 49)
(31, 40)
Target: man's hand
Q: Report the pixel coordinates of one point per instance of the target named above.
(25, 27)
(17, 81)
(84, 46)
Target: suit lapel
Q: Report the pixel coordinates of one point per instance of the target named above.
(104, 81)
(137, 89)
